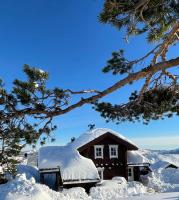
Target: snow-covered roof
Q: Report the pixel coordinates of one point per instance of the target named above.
(72, 165)
(136, 158)
(93, 134)
(166, 160)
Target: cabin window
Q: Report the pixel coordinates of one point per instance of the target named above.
(113, 151)
(130, 174)
(98, 151)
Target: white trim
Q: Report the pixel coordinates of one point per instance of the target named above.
(48, 170)
(113, 146)
(100, 171)
(80, 181)
(101, 147)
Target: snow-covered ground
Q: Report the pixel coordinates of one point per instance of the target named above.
(161, 184)
(161, 196)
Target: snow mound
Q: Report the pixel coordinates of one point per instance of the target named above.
(72, 165)
(21, 188)
(120, 179)
(76, 193)
(162, 182)
(114, 189)
(93, 134)
(170, 175)
(30, 171)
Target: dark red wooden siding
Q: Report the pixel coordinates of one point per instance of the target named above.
(112, 166)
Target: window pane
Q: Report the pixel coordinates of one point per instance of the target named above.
(98, 152)
(113, 151)
(129, 172)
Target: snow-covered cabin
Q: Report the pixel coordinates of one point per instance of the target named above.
(98, 153)
(166, 161)
(112, 153)
(69, 167)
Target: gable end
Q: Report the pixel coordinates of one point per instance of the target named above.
(118, 140)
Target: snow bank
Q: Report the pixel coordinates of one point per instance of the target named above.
(136, 158)
(163, 196)
(114, 189)
(30, 171)
(23, 189)
(162, 179)
(76, 193)
(72, 165)
(93, 134)
(157, 182)
(170, 175)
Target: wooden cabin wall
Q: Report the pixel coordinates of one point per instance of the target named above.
(112, 166)
(136, 173)
(57, 180)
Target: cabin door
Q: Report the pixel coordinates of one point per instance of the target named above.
(130, 173)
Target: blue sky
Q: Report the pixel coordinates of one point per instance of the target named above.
(66, 39)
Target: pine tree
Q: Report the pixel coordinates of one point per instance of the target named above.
(27, 111)
(158, 21)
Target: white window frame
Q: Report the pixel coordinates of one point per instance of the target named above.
(130, 173)
(116, 147)
(101, 147)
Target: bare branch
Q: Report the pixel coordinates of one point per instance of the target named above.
(171, 76)
(132, 77)
(147, 55)
(145, 86)
(82, 91)
(163, 49)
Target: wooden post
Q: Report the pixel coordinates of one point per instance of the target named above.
(42, 178)
(125, 165)
(59, 182)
